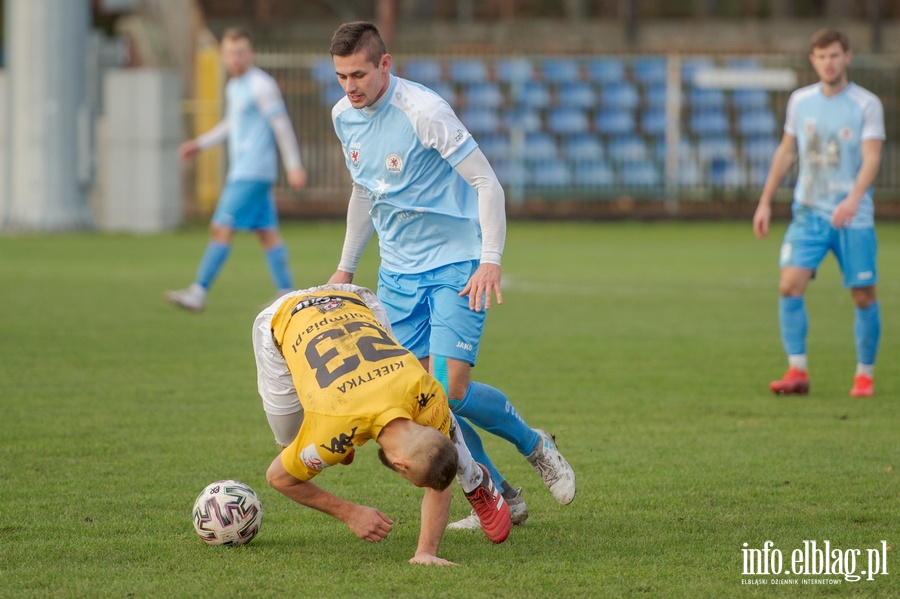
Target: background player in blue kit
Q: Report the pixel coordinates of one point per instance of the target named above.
(837, 129)
(255, 119)
(421, 182)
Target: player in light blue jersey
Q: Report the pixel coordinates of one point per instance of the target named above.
(255, 120)
(836, 128)
(421, 182)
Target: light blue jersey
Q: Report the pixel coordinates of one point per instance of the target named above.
(250, 101)
(829, 133)
(403, 154)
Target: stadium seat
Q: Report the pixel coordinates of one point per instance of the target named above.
(653, 122)
(627, 148)
(468, 70)
(495, 146)
(716, 146)
(552, 173)
(640, 173)
(650, 69)
(540, 147)
(583, 147)
(510, 172)
(614, 121)
(685, 150)
(757, 174)
(522, 118)
(514, 70)
(727, 173)
(747, 63)
(533, 95)
(444, 90)
(322, 71)
(485, 94)
(605, 70)
(480, 120)
(689, 174)
(331, 93)
(706, 97)
(691, 65)
(423, 70)
(756, 123)
(560, 70)
(593, 173)
(709, 122)
(759, 150)
(621, 94)
(577, 94)
(750, 99)
(566, 121)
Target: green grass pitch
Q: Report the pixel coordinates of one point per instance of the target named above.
(646, 348)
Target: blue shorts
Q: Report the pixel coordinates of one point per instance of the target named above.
(427, 314)
(807, 241)
(246, 205)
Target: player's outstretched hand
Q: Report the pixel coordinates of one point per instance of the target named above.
(761, 219)
(369, 524)
(426, 559)
(484, 283)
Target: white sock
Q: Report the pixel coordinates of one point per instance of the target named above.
(470, 476)
(866, 369)
(798, 361)
(197, 290)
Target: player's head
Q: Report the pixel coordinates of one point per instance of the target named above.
(237, 51)
(424, 456)
(361, 62)
(829, 54)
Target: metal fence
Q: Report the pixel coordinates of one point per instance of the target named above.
(595, 128)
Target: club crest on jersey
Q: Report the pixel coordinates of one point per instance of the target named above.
(845, 133)
(393, 163)
(354, 158)
(320, 303)
(311, 459)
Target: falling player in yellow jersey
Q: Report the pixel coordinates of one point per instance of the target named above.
(331, 376)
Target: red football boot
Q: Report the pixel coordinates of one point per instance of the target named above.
(794, 381)
(863, 386)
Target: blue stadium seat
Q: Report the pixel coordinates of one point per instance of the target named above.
(747, 63)
(468, 70)
(706, 97)
(756, 123)
(757, 174)
(485, 94)
(614, 121)
(727, 173)
(514, 70)
(709, 122)
(322, 70)
(510, 172)
(560, 70)
(577, 94)
(594, 173)
(552, 173)
(522, 118)
(583, 147)
(479, 120)
(444, 90)
(690, 66)
(540, 147)
(331, 93)
(621, 94)
(759, 150)
(685, 150)
(627, 148)
(653, 122)
(650, 69)
(751, 99)
(605, 70)
(655, 95)
(689, 174)
(495, 146)
(565, 120)
(640, 173)
(715, 147)
(423, 70)
(533, 95)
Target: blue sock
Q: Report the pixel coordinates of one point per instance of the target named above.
(867, 332)
(213, 258)
(793, 320)
(489, 409)
(473, 442)
(277, 259)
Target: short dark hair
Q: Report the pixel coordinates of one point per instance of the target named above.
(825, 37)
(442, 460)
(358, 36)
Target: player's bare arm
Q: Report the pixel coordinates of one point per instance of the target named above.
(435, 514)
(367, 523)
(782, 160)
(871, 159)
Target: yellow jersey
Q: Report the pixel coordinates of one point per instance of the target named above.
(351, 376)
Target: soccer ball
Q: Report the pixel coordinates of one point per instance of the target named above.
(227, 512)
